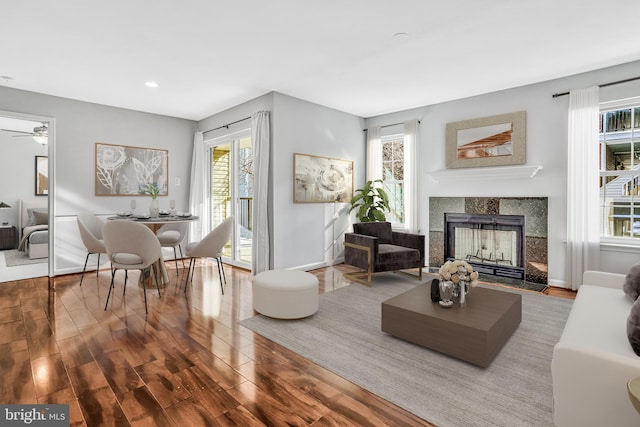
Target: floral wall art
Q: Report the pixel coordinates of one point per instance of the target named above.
(322, 179)
(123, 170)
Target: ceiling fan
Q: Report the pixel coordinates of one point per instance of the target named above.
(40, 134)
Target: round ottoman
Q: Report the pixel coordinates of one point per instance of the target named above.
(285, 294)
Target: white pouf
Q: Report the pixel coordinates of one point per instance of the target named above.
(285, 294)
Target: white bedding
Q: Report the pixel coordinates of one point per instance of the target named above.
(33, 238)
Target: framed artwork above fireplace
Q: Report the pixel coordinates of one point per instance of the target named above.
(487, 141)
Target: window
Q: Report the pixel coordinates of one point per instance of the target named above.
(393, 176)
(392, 154)
(620, 171)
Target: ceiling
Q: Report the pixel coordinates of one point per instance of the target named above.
(208, 56)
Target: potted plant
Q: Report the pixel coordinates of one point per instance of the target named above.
(371, 201)
(152, 190)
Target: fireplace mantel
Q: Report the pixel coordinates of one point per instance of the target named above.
(504, 172)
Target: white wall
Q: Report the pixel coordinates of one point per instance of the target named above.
(310, 235)
(546, 146)
(79, 125)
(305, 236)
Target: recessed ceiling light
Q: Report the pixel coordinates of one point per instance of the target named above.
(400, 35)
(151, 84)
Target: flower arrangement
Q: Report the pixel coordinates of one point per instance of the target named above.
(459, 271)
(151, 190)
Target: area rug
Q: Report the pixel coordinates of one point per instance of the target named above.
(344, 337)
(13, 257)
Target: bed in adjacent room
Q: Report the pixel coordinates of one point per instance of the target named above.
(33, 226)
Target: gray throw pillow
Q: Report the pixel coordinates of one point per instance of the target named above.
(633, 327)
(30, 211)
(39, 218)
(631, 285)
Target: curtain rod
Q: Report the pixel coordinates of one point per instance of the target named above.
(227, 125)
(556, 95)
(388, 126)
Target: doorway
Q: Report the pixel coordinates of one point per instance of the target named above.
(26, 140)
(231, 192)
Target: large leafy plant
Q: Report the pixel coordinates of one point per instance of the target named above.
(371, 202)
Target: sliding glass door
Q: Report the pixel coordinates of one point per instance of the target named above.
(231, 192)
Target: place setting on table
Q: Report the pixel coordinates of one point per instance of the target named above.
(155, 216)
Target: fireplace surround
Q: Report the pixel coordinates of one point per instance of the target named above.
(504, 238)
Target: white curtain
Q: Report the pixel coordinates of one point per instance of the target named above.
(261, 139)
(197, 190)
(411, 175)
(583, 234)
(374, 154)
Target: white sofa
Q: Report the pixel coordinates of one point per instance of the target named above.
(593, 361)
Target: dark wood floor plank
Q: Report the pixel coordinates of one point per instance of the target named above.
(66, 397)
(49, 374)
(12, 331)
(166, 387)
(74, 351)
(119, 373)
(142, 409)
(17, 385)
(40, 337)
(206, 391)
(100, 407)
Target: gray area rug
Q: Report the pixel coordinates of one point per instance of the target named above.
(13, 257)
(344, 337)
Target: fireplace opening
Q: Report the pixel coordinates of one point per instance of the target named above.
(492, 244)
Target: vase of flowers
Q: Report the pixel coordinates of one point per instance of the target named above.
(461, 275)
(152, 190)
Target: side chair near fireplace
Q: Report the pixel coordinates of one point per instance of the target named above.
(374, 248)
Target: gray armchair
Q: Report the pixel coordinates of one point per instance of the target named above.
(374, 247)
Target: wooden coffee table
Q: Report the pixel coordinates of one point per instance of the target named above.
(475, 333)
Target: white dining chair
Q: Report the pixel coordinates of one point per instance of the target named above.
(210, 247)
(131, 246)
(90, 227)
(171, 235)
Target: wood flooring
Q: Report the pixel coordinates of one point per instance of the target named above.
(187, 363)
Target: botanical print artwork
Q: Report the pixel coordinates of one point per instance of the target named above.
(123, 170)
(485, 141)
(322, 179)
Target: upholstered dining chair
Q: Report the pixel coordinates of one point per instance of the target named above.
(91, 234)
(131, 246)
(210, 247)
(171, 235)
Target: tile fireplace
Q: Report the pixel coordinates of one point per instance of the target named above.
(504, 238)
